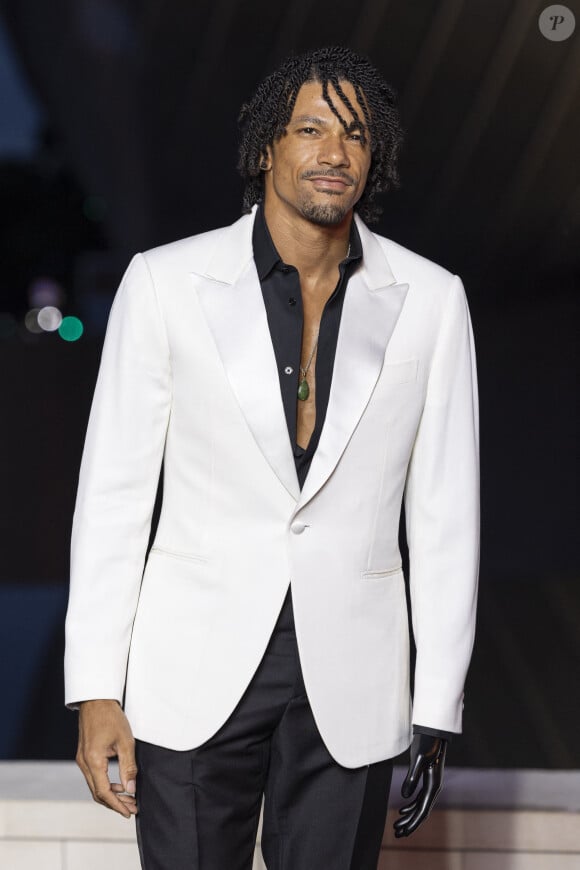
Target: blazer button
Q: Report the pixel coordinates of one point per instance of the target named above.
(297, 527)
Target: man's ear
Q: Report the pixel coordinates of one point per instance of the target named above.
(266, 161)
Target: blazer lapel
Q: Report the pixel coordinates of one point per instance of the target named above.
(371, 310)
(232, 302)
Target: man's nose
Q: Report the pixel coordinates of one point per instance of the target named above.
(333, 152)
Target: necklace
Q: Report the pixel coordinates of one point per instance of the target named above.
(303, 388)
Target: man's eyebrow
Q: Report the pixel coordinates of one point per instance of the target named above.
(320, 122)
(310, 119)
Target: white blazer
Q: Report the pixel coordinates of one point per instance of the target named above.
(188, 375)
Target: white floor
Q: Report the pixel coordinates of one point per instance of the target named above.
(485, 820)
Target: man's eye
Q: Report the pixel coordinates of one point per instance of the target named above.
(308, 130)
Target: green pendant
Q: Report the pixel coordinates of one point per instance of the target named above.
(303, 390)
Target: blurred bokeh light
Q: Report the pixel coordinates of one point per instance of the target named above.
(49, 318)
(8, 325)
(45, 291)
(70, 329)
(31, 320)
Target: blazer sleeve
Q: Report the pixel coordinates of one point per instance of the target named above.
(118, 480)
(442, 522)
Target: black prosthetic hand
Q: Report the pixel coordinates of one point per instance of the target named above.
(427, 763)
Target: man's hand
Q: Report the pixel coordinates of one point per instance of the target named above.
(427, 761)
(104, 733)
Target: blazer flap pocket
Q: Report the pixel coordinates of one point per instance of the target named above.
(381, 575)
(178, 554)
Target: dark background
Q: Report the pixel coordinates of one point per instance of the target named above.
(119, 132)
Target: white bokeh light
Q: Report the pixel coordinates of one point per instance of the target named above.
(31, 320)
(49, 318)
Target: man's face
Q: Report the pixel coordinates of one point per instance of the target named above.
(318, 169)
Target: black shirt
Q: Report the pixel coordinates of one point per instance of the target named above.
(283, 300)
(280, 284)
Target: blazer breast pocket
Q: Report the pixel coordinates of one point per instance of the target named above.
(403, 372)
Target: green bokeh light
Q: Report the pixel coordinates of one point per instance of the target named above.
(70, 329)
(8, 325)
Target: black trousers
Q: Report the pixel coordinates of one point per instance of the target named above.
(199, 809)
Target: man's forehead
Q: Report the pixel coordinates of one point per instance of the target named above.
(311, 102)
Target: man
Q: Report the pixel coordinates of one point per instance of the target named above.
(299, 376)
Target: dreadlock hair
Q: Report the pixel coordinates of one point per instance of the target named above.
(264, 119)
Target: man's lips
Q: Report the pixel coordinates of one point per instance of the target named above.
(331, 182)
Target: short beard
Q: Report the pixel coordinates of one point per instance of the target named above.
(328, 215)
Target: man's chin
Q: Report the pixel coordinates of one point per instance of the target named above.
(325, 215)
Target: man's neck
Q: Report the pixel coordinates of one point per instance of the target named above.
(314, 250)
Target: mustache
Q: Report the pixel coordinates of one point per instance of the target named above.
(329, 173)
